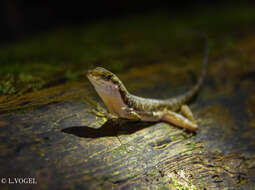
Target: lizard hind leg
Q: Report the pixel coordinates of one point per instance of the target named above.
(179, 120)
(186, 112)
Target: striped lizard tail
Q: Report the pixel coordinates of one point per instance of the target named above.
(192, 92)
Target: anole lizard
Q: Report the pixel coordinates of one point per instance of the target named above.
(123, 104)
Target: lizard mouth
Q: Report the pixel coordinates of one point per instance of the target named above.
(95, 81)
(99, 84)
(94, 77)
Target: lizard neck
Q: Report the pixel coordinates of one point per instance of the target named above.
(114, 96)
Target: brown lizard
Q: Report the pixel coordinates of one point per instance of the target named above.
(123, 104)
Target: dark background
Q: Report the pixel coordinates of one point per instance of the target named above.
(21, 19)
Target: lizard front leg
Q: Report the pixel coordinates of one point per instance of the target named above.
(105, 113)
(99, 111)
(178, 120)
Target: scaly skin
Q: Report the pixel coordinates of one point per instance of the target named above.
(123, 104)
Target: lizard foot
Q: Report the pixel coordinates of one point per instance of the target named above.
(179, 120)
(101, 112)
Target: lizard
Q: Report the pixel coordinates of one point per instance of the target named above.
(122, 104)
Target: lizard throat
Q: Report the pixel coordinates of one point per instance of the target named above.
(111, 96)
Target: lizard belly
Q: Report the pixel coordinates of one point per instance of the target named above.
(151, 117)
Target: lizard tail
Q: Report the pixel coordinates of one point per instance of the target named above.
(191, 93)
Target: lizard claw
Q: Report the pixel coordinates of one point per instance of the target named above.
(101, 112)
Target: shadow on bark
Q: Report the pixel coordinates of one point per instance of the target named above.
(110, 128)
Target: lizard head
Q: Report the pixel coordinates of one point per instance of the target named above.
(104, 81)
(109, 88)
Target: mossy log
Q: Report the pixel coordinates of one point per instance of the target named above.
(64, 145)
(52, 136)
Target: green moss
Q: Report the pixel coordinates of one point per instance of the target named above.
(116, 173)
(163, 187)
(191, 145)
(41, 153)
(152, 172)
(129, 175)
(20, 111)
(173, 137)
(182, 186)
(6, 87)
(121, 150)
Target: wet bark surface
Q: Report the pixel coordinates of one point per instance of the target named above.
(52, 136)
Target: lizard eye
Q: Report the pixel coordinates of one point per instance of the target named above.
(108, 77)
